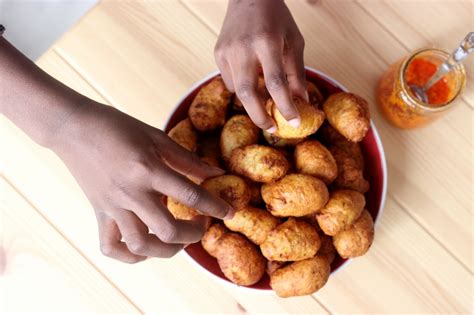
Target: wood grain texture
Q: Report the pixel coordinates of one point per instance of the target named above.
(142, 56)
(41, 272)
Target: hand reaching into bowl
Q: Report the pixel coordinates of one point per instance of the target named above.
(123, 165)
(262, 34)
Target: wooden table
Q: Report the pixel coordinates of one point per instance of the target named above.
(141, 57)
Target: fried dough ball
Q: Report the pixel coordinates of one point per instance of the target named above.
(349, 114)
(349, 160)
(295, 195)
(356, 240)
(350, 168)
(252, 222)
(238, 131)
(262, 93)
(301, 277)
(259, 163)
(209, 149)
(279, 142)
(315, 96)
(209, 108)
(343, 208)
(312, 158)
(311, 119)
(272, 266)
(239, 259)
(231, 188)
(327, 248)
(180, 211)
(184, 135)
(210, 238)
(291, 241)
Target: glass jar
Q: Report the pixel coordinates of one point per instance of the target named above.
(397, 102)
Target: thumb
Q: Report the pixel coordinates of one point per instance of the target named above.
(184, 161)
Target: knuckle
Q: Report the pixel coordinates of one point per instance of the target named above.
(191, 196)
(262, 122)
(219, 53)
(106, 250)
(245, 91)
(245, 41)
(265, 37)
(299, 42)
(276, 81)
(168, 234)
(135, 260)
(168, 253)
(137, 244)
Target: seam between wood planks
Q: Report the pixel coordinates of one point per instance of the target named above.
(76, 69)
(28, 201)
(399, 203)
(398, 40)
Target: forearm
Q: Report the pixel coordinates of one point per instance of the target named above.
(33, 100)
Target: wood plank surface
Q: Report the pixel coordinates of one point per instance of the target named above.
(142, 56)
(41, 272)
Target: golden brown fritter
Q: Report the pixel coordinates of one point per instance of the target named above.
(349, 114)
(311, 119)
(184, 135)
(209, 108)
(180, 211)
(238, 131)
(231, 188)
(350, 173)
(315, 96)
(259, 163)
(239, 259)
(295, 195)
(327, 249)
(312, 158)
(301, 277)
(252, 222)
(272, 266)
(357, 239)
(279, 142)
(291, 241)
(349, 160)
(343, 208)
(212, 235)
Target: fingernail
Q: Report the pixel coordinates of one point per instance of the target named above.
(295, 122)
(230, 214)
(272, 129)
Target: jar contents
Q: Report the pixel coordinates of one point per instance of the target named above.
(400, 105)
(419, 72)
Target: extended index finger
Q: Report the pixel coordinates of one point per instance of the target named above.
(277, 84)
(172, 184)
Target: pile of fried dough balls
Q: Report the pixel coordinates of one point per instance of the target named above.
(298, 193)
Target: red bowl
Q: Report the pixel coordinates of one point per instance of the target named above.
(375, 172)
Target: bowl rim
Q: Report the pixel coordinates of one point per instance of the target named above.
(383, 160)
